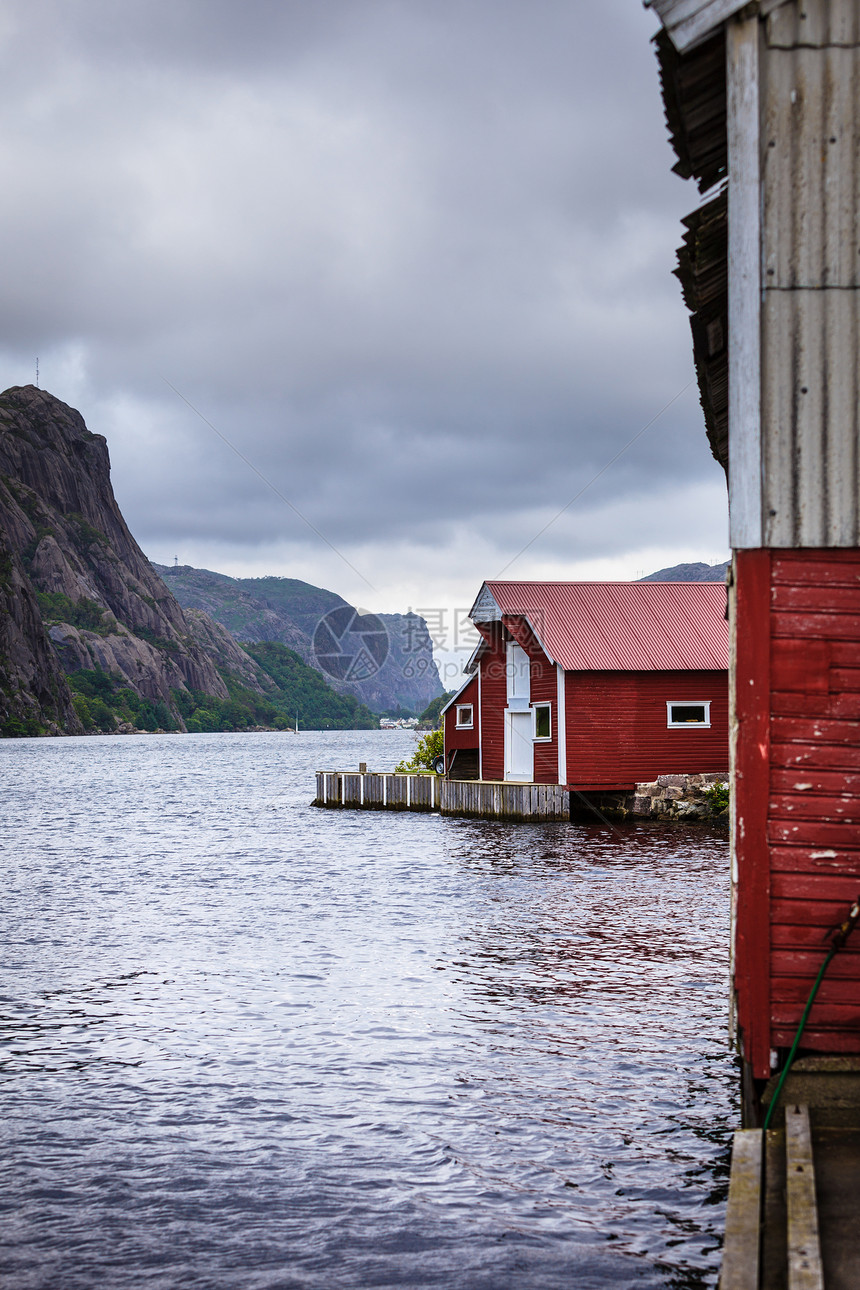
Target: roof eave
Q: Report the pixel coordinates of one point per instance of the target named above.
(690, 22)
(455, 696)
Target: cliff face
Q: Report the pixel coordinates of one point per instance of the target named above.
(76, 591)
(77, 595)
(33, 690)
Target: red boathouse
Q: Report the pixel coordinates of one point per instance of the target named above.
(763, 106)
(593, 685)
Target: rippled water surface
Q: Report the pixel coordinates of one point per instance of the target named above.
(249, 1044)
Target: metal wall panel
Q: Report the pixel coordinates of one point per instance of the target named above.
(833, 23)
(811, 275)
(811, 404)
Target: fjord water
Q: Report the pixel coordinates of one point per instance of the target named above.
(252, 1044)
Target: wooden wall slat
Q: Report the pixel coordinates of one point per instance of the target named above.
(831, 707)
(814, 833)
(805, 963)
(819, 781)
(811, 859)
(824, 756)
(815, 806)
(823, 914)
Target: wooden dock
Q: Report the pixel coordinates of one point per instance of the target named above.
(793, 1217)
(473, 799)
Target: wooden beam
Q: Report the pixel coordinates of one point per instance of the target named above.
(740, 1266)
(805, 1271)
(742, 98)
(750, 730)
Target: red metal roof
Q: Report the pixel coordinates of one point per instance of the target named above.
(618, 626)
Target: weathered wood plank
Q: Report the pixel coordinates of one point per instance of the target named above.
(745, 359)
(824, 756)
(369, 790)
(740, 1266)
(805, 1271)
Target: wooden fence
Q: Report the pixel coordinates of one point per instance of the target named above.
(371, 791)
(477, 799)
(494, 800)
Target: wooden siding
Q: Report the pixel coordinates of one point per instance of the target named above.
(494, 697)
(617, 734)
(517, 803)
(814, 809)
(751, 740)
(799, 854)
(545, 690)
(455, 738)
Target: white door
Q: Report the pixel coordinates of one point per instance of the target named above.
(519, 747)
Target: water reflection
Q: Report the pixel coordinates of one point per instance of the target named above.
(599, 950)
(250, 1044)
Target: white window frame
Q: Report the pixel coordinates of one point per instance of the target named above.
(688, 703)
(459, 723)
(542, 739)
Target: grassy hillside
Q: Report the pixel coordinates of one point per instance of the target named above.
(288, 612)
(104, 703)
(304, 693)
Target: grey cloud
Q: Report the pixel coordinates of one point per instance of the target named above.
(413, 259)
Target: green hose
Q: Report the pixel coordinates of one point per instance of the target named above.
(809, 1002)
(838, 937)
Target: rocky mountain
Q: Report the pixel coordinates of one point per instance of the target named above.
(288, 611)
(79, 598)
(690, 573)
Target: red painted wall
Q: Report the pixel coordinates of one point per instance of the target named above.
(455, 738)
(797, 799)
(494, 697)
(617, 734)
(545, 690)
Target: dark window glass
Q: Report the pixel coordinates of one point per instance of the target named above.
(688, 714)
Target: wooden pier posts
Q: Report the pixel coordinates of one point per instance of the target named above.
(473, 799)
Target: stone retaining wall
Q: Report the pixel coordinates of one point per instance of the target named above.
(669, 797)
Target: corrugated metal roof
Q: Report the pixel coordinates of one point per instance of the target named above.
(621, 626)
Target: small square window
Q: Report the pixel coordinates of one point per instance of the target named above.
(543, 721)
(464, 716)
(688, 713)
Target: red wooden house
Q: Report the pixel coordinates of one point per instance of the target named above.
(594, 685)
(763, 106)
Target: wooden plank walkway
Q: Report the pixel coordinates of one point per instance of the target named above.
(473, 799)
(793, 1218)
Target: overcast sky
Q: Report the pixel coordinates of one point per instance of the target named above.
(412, 258)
